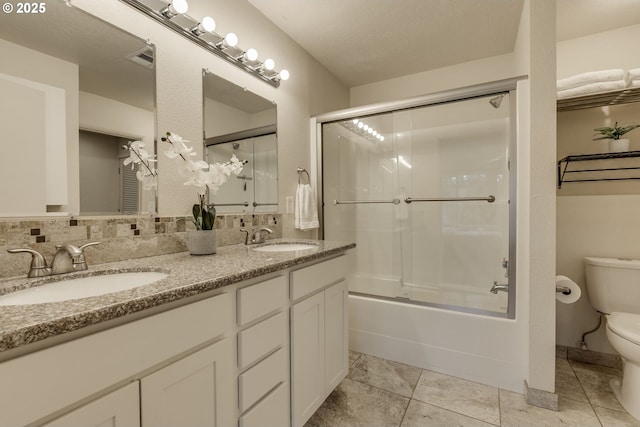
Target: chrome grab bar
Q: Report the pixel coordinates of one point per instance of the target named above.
(229, 204)
(489, 199)
(409, 200)
(256, 204)
(357, 202)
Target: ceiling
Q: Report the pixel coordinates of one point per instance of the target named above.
(365, 41)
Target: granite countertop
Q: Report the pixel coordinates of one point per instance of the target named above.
(188, 276)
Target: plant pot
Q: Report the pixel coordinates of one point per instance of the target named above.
(618, 145)
(202, 242)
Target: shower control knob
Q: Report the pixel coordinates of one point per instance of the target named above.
(505, 265)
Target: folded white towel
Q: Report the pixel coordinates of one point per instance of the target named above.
(632, 75)
(589, 78)
(634, 83)
(592, 89)
(306, 213)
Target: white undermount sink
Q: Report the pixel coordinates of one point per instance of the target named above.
(285, 247)
(82, 287)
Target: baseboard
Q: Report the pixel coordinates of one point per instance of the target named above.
(540, 398)
(587, 356)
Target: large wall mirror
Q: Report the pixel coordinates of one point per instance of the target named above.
(237, 121)
(75, 89)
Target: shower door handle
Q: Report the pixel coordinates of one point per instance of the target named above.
(357, 202)
(489, 199)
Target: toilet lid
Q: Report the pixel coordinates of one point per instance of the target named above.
(626, 325)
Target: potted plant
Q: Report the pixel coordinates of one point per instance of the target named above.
(613, 134)
(207, 178)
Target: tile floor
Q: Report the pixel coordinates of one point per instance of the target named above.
(379, 392)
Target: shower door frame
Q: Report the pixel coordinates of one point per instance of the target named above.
(460, 94)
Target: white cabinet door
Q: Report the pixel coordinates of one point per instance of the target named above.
(336, 335)
(307, 358)
(120, 408)
(195, 391)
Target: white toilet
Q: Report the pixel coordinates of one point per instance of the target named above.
(614, 289)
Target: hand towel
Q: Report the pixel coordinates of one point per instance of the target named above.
(592, 89)
(632, 75)
(589, 78)
(306, 212)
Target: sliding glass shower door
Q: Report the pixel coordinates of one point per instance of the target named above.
(424, 192)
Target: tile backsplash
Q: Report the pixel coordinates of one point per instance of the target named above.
(121, 237)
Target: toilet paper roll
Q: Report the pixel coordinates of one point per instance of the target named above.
(565, 282)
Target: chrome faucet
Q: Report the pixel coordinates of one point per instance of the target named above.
(68, 258)
(504, 287)
(257, 236)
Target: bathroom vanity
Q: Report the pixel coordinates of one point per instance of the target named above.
(243, 338)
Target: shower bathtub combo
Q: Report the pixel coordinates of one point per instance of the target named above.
(426, 188)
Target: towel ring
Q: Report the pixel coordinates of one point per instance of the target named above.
(300, 172)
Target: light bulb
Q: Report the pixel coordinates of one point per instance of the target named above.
(251, 55)
(284, 75)
(381, 138)
(375, 133)
(366, 127)
(360, 125)
(178, 7)
(208, 24)
(230, 40)
(370, 130)
(269, 64)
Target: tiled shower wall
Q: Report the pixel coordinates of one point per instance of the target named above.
(120, 237)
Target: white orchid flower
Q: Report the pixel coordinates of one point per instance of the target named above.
(205, 177)
(198, 179)
(179, 149)
(141, 157)
(235, 165)
(216, 176)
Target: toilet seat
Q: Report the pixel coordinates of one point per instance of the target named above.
(625, 325)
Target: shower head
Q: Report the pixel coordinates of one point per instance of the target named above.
(496, 100)
(236, 145)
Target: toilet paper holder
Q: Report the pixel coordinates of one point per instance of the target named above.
(564, 289)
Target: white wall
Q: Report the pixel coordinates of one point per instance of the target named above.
(221, 119)
(601, 51)
(104, 115)
(62, 77)
(599, 218)
(309, 91)
(524, 346)
(26, 149)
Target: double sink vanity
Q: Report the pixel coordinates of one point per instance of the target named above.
(252, 336)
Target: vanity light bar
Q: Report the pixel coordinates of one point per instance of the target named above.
(202, 34)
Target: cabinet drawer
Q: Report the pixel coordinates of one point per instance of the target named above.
(309, 279)
(273, 411)
(258, 380)
(260, 339)
(261, 299)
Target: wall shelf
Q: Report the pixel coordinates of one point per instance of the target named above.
(622, 96)
(563, 166)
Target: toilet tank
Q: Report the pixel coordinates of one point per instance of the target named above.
(613, 284)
